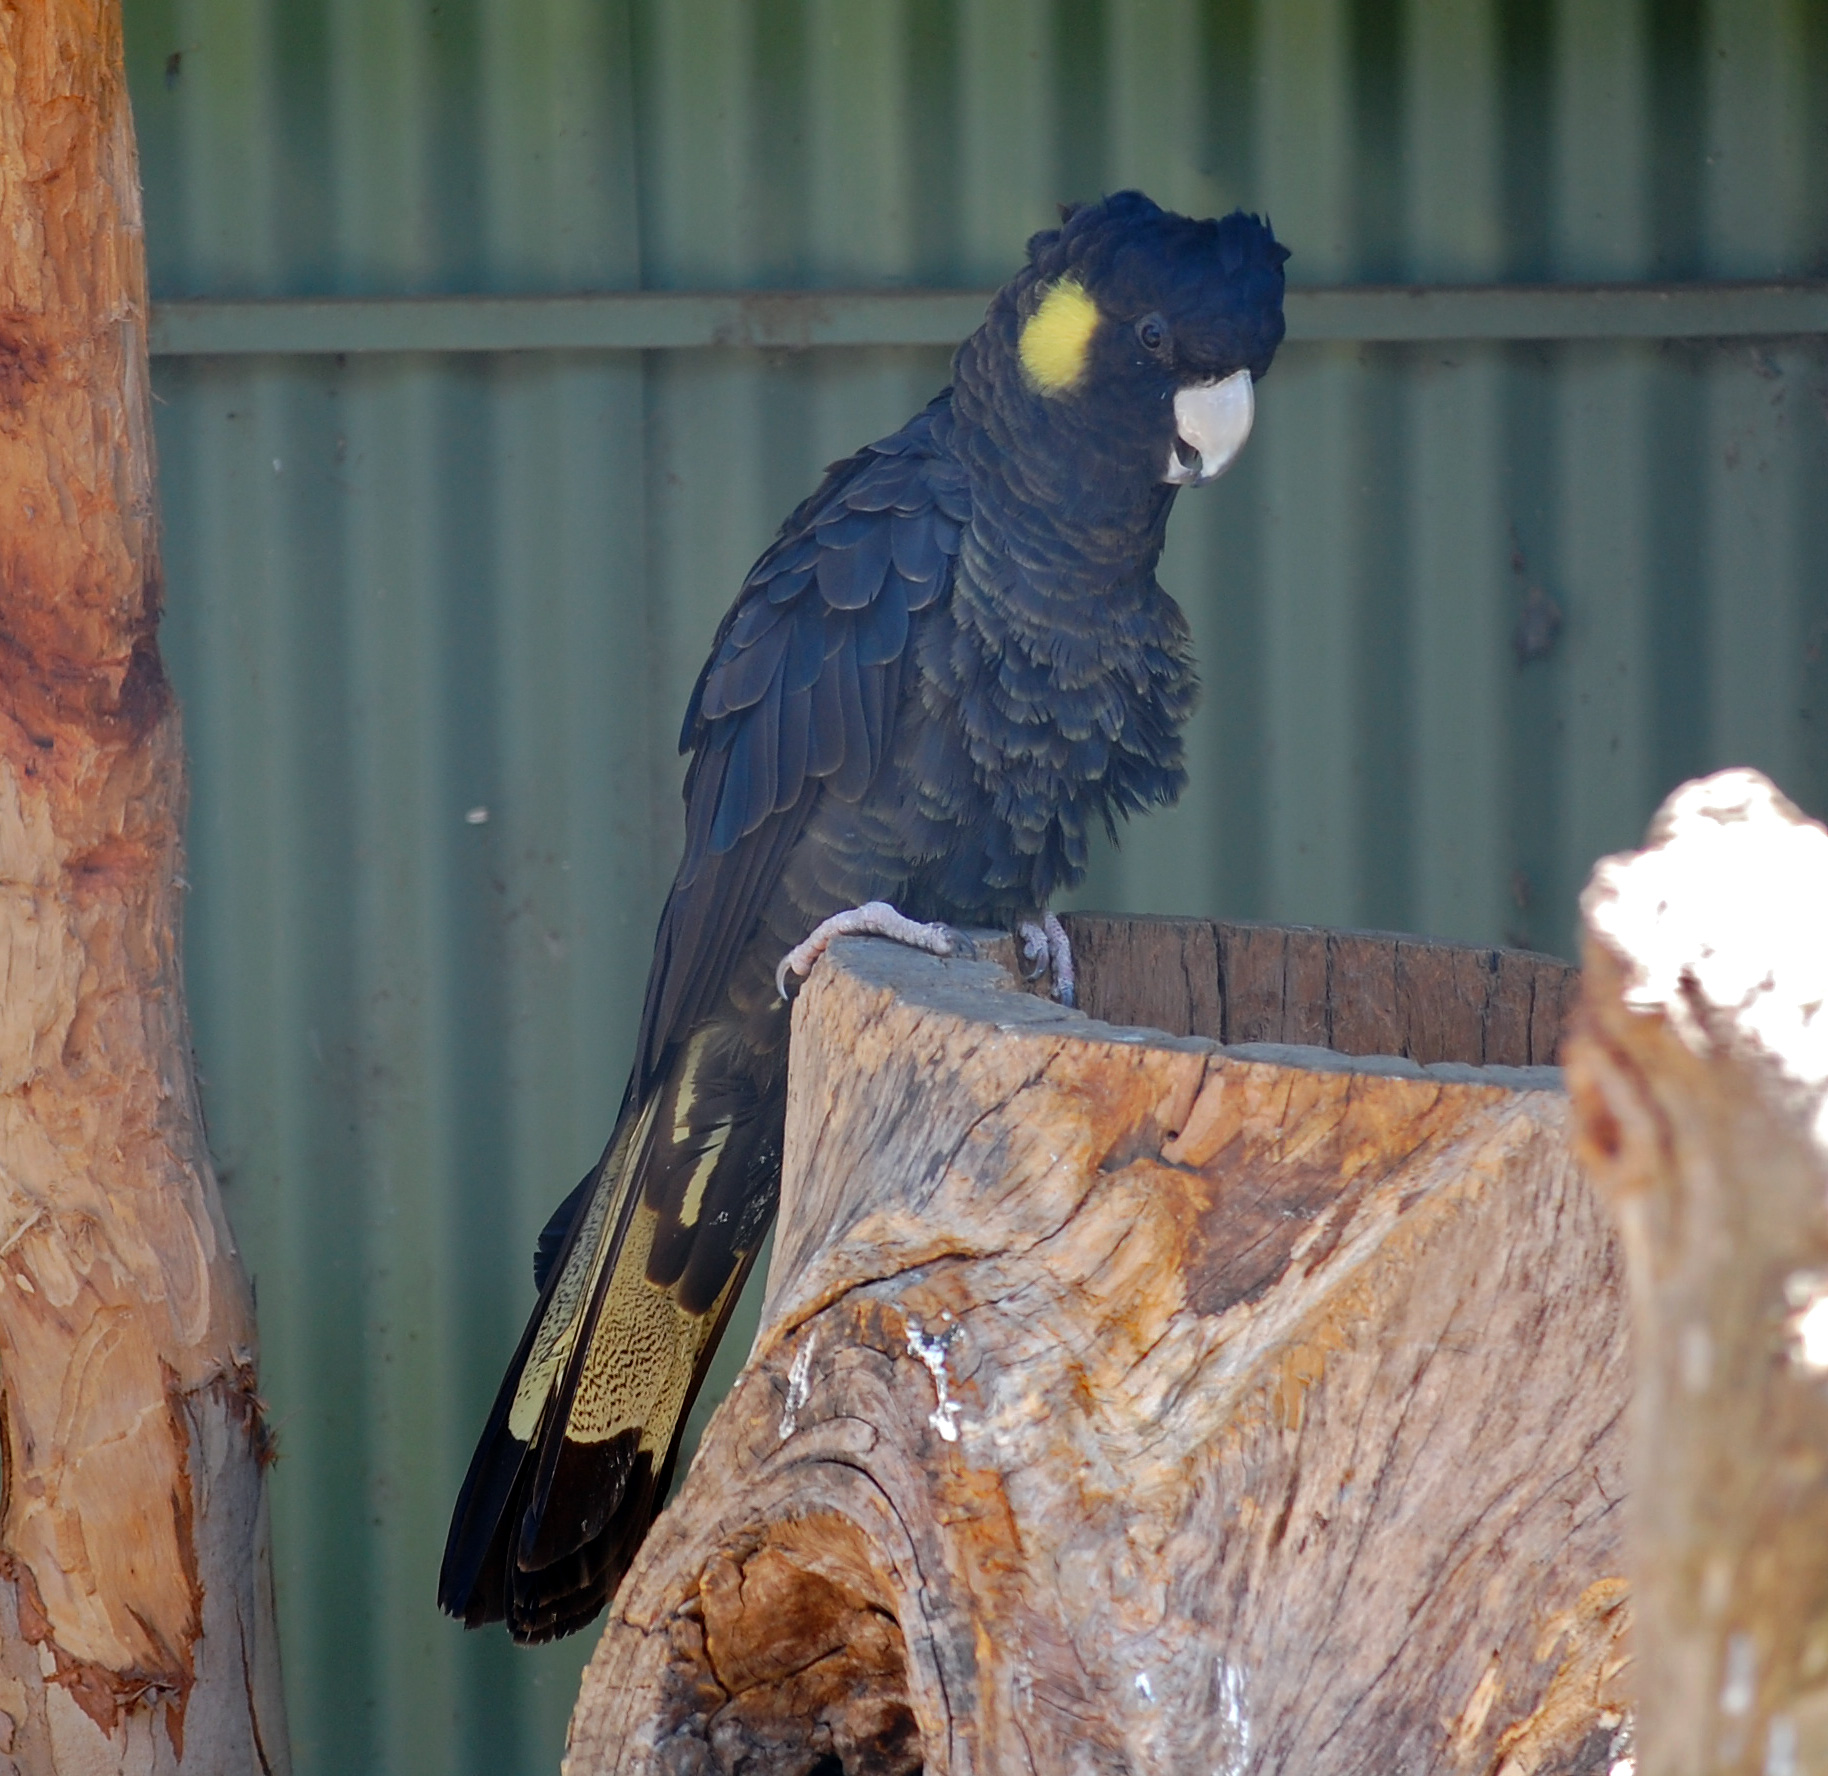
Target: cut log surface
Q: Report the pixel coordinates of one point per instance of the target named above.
(136, 1609)
(1699, 1066)
(1126, 1403)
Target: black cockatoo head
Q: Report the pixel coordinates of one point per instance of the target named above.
(1123, 357)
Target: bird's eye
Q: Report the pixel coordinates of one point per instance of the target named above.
(1152, 331)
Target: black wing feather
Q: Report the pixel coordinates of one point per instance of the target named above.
(896, 505)
(849, 578)
(796, 728)
(914, 547)
(825, 731)
(857, 764)
(558, 1226)
(882, 630)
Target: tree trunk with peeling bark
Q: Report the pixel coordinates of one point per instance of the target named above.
(1125, 1402)
(136, 1614)
(1699, 1069)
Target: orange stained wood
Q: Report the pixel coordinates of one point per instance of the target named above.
(132, 1442)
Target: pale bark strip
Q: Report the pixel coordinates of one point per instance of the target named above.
(1699, 1067)
(1125, 1405)
(136, 1619)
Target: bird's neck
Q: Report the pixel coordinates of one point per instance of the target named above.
(1076, 510)
(1057, 562)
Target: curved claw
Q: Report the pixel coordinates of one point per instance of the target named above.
(1049, 948)
(1034, 949)
(1060, 958)
(875, 918)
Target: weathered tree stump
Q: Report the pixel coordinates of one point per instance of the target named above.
(1700, 1071)
(1125, 1403)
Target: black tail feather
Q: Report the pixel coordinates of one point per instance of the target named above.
(579, 1488)
(558, 1230)
(545, 1529)
(473, 1576)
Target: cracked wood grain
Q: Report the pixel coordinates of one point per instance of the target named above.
(136, 1614)
(1123, 1404)
(1699, 1067)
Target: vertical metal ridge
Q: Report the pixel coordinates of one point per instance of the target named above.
(561, 875)
(1311, 441)
(1601, 547)
(1454, 552)
(1755, 100)
(1007, 124)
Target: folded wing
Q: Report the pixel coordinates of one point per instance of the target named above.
(640, 1266)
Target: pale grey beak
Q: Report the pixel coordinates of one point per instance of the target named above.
(1211, 422)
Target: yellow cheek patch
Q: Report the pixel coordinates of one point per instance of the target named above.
(1056, 339)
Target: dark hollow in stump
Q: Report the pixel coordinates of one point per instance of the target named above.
(1125, 1402)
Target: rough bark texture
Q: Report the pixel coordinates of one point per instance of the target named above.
(136, 1622)
(1699, 1069)
(1359, 992)
(1126, 1404)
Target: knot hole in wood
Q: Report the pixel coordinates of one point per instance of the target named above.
(796, 1656)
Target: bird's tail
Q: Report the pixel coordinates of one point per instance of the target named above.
(579, 1448)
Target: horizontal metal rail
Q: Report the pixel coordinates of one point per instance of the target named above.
(796, 320)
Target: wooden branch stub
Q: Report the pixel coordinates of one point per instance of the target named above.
(1125, 1405)
(1700, 1072)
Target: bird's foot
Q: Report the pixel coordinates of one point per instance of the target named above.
(1047, 946)
(875, 918)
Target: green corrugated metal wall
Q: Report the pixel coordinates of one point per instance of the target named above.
(433, 617)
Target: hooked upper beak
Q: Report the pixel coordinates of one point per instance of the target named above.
(1211, 423)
